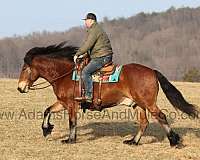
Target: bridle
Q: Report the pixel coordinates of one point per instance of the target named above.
(33, 87)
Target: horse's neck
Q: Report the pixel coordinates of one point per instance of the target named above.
(52, 70)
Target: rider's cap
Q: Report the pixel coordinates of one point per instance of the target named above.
(90, 16)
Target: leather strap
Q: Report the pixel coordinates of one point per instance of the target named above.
(99, 101)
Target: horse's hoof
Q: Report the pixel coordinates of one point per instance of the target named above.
(48, 130)
(68, 141)
(130, 142)
(174, 139)
(179, 144)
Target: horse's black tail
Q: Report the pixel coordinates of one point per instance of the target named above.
(175, 97)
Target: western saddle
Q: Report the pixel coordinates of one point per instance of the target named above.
(106, 70)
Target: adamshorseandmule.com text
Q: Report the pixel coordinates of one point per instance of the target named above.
(126, 114)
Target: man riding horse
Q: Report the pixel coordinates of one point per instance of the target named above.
(98, 46)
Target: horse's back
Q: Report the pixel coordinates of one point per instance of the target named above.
(138, 70)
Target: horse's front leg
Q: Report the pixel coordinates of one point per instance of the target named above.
(72, 125)
(47, 127)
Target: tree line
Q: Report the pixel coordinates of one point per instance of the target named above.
(167, 41)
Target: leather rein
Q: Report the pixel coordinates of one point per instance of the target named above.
(33, 87)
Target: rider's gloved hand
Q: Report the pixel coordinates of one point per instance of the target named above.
(76, 57)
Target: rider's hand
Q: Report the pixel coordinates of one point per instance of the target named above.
(76, 57)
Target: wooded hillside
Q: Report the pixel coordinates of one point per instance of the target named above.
(168, 41)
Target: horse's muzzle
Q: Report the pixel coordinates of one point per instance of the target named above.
(20, 90)
(23, 87)
(25, 90)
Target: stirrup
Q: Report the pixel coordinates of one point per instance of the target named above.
(83, 99)
(79, 98)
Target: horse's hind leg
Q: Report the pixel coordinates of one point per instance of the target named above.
(143, 125)
(173, 137)
(47, 127)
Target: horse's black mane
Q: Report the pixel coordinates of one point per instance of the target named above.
(52, 51)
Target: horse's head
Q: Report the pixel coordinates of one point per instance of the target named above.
(35, 66)
(28, 76)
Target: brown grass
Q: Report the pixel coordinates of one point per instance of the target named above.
(98, 137)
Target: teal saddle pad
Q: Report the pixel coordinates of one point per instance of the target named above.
(105, 79)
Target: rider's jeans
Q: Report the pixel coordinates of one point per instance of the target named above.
(93, 65)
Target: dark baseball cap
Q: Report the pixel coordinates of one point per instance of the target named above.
(90, 16)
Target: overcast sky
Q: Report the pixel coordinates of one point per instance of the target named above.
(21, 17)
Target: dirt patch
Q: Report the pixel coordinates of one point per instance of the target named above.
(100, 135)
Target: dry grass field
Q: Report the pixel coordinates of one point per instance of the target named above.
(100, 134)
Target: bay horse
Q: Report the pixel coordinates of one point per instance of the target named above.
(138, 84)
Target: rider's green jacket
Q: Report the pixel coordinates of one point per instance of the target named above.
(97, 43)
